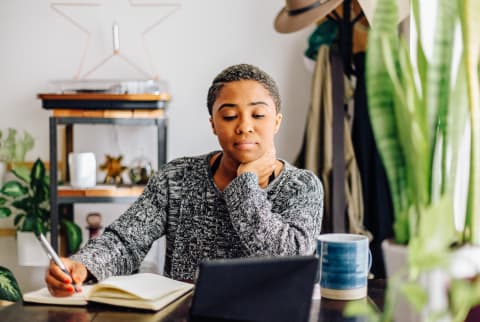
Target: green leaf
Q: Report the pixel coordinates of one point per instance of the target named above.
(18, 218)
(3, 201)
(5, 212)
(37, 174)
(464, 294)
(29, 223)
(470, 14)
(381, 107)
(9, 290)
(74, 235)
(23, 204)
(14, 189)
(22, 173)
(430, 248)
(415, 294)
(362, 308)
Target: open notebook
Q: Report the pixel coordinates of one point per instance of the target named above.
(144, 291)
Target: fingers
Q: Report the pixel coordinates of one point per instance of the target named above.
(59, 283)
(262, 167)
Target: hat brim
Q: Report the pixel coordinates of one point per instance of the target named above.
(285, 23)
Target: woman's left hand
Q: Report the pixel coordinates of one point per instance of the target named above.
(262, 167)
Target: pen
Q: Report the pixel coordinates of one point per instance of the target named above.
(53, 256)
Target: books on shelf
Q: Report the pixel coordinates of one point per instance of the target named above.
(143, 291)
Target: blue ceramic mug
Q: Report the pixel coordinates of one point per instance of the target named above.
(344, 263)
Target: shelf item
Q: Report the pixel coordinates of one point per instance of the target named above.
(110, 86)
(104, 101)
(98, 108)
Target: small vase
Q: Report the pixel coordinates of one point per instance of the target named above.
(30, 251)
(395, 257)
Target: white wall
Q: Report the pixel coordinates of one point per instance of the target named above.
(187, 50)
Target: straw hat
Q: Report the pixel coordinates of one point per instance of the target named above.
(298, 14)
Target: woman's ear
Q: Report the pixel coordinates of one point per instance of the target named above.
(213, 126)
(278, 121)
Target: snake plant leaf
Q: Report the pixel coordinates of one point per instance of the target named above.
(421, 59)
(74, 235)
(380, 92)
(14, 189)
(458, 171)
(9, 290)
(438, 90)
(470, 21)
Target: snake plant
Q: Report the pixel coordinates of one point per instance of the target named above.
(420, 110)
(425, 115)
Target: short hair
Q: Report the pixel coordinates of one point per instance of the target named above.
(242, 72)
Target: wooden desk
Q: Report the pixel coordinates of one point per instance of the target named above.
(322, 311)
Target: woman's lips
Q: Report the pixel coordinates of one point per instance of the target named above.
(245, 145)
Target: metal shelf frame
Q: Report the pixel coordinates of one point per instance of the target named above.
(65, 204)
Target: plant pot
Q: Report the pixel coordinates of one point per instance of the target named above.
(465, 263)
(395, 257)
(30, 251)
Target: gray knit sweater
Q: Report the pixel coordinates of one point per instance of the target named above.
(200, 222)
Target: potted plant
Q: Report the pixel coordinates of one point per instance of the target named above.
(29, 198)
(425, 115)
(13, 149)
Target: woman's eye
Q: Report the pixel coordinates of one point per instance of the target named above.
(229, 117)
(258, 116)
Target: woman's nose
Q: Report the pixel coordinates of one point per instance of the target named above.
(244, 126)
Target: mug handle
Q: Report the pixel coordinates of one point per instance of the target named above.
(370, 259)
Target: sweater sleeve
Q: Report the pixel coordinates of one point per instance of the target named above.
(292, 231)
(123, 245)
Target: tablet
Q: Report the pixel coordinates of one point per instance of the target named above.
(255, 289)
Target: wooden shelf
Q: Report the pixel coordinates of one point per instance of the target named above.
(104, 97)
(124, 114)
(7, 232)
(101, 191)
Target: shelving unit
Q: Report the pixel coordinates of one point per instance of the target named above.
(114, 109)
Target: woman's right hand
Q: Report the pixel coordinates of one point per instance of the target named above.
(59, 283)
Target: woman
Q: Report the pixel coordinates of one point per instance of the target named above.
(238, 202)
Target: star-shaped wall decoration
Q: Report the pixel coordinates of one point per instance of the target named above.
(117, 30)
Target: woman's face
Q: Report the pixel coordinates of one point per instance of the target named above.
(245, 120)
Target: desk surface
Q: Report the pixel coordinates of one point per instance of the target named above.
(322, 311)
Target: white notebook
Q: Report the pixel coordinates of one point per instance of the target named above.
(144, 291)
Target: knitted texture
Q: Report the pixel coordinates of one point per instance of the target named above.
(200, 222)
